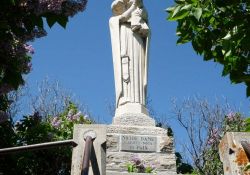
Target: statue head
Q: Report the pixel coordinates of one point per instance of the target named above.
(118, 7)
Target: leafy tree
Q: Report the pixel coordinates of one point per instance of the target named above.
(55, 112)
(218, 30)
(36, 129)
(22, 21)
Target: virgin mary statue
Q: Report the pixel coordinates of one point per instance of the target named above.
(129, 37)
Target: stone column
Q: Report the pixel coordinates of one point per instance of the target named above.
(133, 132)
(232, 153)
(98, 156)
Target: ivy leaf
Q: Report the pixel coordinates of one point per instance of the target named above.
(62, 20)
(186, 7)
(248, 91)
(228, 53)
(13, 78)
(179, 12)
(51, 20)
(180, 1)
(130, 168)
(219, 31)
(183, 40)
(180, 15)
(40, 22)
(247, 123)
(198, 44)
(227, 37)
(176, 10)
(197, 12)
(212, 19)
(4, 24)
(208, 55)
(36, 20)
(245, 42)
(170, 9)
(12, 2)
(226, 46)
(193, 1)
(236, 77)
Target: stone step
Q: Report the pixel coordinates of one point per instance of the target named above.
(126, 173)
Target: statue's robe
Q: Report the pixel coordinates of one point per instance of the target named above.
(131, 47)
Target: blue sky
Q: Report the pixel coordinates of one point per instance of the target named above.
(80, 59)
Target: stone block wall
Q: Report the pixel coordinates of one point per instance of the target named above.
(151, 144)
(232, 153)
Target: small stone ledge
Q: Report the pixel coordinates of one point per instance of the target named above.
(139, 130)
(232, 153)
(126, 173)
(115, 173)
(133, 119)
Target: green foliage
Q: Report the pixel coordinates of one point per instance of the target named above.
(54, 18)
(218, 30)
(183, 168)
(138, 165)
(149, 169)
(247, 167)
(233, 122)
(64, 123)
(212, 163)
(247, 125)
(131, 168)
(33, 129)
(21, 22)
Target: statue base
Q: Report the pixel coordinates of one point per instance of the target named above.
(133, 135)
(132, 114)
(150, 144)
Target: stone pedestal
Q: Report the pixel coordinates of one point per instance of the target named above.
(132, 114)
(151, 144)
(98, 161)
(133, 132)
(232, 153)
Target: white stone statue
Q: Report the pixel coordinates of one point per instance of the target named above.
(129, 36)
(130, 39)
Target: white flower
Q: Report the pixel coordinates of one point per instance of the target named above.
(70, 113)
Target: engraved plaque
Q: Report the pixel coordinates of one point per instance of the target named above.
(138, 143)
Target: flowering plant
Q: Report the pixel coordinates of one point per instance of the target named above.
(21, 22)
(137, 165)
(233, 122)
(35, 129)
(64, 123)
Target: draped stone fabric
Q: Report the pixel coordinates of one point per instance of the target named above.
(129, 38)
